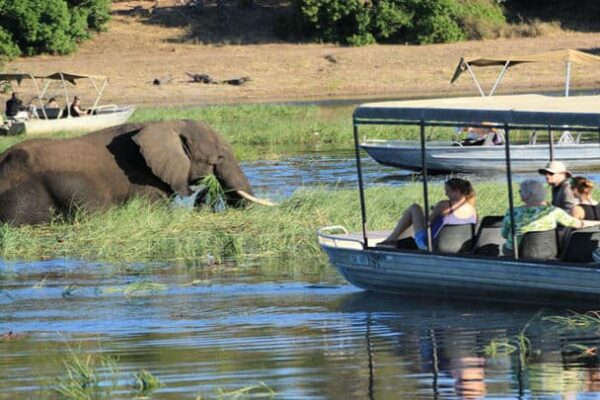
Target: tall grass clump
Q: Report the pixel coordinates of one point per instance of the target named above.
(87, 376)
(143, 231)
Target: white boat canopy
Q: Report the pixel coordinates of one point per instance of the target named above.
(98, 81)
(529, 109)
(566, 56)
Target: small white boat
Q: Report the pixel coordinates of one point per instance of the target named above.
(443, 157)
(39, 119)
(446, 157)
(470, 266)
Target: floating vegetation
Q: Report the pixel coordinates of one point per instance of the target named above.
(518, 343)
(68, 290)
(87, 376)
(580, 350)
(41, 283)
(137, 288)
(575, 320)
(260, 390)
(146, 383)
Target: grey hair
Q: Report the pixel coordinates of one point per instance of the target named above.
(533, 190)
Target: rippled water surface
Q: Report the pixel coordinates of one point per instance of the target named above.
(306, 336)
(289, 332)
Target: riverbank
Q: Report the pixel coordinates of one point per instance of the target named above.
(135, 52)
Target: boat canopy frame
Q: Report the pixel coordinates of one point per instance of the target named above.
(566, 56)
(99, 83)
(491, 112)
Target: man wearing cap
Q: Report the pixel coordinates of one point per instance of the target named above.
(556, 174)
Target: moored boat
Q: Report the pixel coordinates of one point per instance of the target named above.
(40, 119)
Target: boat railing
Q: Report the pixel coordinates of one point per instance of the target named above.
(327, 237)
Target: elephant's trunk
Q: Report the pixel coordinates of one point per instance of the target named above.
(235, 182)
(247, 196)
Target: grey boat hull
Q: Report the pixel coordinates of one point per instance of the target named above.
(470, 159)
(419, 273)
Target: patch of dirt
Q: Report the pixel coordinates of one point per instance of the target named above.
(165, 40)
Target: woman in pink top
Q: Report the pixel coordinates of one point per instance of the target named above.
(458, 209)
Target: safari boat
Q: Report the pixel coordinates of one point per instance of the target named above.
(453, 156)
(464, 262)
(39, 119)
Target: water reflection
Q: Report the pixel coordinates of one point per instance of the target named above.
(200, 330)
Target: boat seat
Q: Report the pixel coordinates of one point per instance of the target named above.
(454, 238)
(51, 112)
(539, 245)
(580, 245)
(489, 240)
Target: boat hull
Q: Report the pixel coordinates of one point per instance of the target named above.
(472, 159)
(86, 123)
(418, 273)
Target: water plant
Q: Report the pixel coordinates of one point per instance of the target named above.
(259, 390)
(589, 319)
(87, 376)
(146, 383)
(141, 231)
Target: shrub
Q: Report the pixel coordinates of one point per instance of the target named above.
(359, 22)
(48, 26)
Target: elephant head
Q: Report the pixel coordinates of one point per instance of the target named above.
(182, 152)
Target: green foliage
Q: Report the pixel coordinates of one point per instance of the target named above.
(357, 22)
(32, 27)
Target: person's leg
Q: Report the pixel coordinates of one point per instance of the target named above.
(414, 216)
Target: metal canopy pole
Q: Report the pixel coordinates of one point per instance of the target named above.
(511, 202)
(504, 69)
(567, 78)
(363, 213)
(475, 80)
(425, 191)
(551, 144)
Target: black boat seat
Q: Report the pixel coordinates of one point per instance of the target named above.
(581, 244)
(454, 238)
(540, 245)
(489, 240)
(51, 113)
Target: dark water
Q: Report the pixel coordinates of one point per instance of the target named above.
(261, 331)
(304, 337)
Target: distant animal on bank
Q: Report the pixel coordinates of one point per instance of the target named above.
(46, 177)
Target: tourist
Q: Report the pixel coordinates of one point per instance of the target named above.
(556, 174)
(588, 208)
(535, 215)
(14, 105)
(457, 210)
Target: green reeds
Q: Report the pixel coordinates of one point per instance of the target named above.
(142, 231)
(87, 376)
(146, 383)
(575, 320)
(260, 390)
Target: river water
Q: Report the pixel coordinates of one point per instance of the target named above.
(251, 331)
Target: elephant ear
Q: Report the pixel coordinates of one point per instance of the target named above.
(162, 148)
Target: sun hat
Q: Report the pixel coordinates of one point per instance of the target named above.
(555, 167)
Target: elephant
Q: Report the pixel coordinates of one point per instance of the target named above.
(43, 178)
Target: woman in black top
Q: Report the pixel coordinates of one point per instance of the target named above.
(588, 208)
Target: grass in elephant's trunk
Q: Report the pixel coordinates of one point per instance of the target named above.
(141, 231)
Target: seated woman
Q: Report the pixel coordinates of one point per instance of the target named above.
(588, 208)
(485, 135)
(535, 215)
(458, 209)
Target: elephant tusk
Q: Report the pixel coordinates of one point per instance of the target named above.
(253, 199)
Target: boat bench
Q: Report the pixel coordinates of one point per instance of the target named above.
(489, 240)
(51, 113)
(580, 245)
